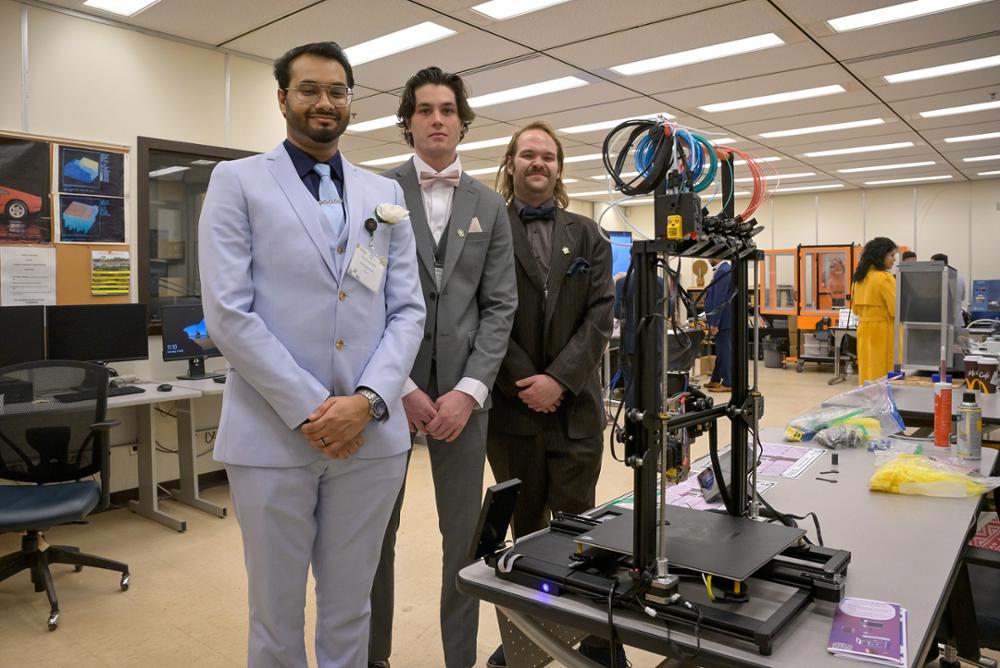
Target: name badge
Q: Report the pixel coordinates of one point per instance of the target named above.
(367, 268)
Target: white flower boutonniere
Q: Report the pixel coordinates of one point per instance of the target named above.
(390, 213)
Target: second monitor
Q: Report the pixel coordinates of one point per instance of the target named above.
(185, 337)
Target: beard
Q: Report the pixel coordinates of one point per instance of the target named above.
(322, 134)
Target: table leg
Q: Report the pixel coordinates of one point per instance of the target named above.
(187, 458)
(148, 504)
(547, 641)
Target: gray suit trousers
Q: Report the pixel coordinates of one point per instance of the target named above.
(330, 515)
(457, 469)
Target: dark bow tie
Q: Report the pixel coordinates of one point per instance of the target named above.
(530, 213)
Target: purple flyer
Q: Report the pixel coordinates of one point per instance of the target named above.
(870, 631)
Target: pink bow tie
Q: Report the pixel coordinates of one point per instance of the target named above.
(427, 179)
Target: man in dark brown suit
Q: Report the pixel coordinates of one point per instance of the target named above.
(547, 422)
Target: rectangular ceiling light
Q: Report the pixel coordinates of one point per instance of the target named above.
(776, 98)
(582, 158)
(964, 109)
(167, 170)
(943, 70)
(396, 42)
(882, 168)
(607, 125)
(724, 141)
(594, 193)
(794, 175)
(893, 13)
(982, 137)
(623, 175)
(915, 179)
(981, 158)
(993, 173)
(486, 143)
(501, 10)
(700, 55)
(483, 170)
(122, 7)
(522, 92)
(859, 149)
(391, 160)
(374, 124)
(823, 128)
(824, 186)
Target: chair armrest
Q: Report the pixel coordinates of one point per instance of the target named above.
(105, 425)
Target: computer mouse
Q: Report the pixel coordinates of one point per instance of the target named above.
(164, 387)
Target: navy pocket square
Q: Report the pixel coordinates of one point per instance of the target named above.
(578, 265)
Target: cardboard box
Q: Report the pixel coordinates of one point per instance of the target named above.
(703, 366)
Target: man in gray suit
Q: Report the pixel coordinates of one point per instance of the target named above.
(467, 276)
(310, 289)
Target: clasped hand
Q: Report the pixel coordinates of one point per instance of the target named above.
(443, 419)
(334, 428)
(542, 393)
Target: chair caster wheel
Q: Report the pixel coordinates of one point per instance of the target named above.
(77, 568)
(124, 583)
(53, 621)
(800, 367)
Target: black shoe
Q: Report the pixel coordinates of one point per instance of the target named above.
(497, 659)
(379, 664)
(599, 652)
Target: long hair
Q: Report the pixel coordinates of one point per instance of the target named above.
(433, 76)
(505, 179)
(873, 256)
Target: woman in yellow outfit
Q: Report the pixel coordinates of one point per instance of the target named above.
(873, 299)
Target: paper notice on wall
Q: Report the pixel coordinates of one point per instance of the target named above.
(110, 273)
(27, 275)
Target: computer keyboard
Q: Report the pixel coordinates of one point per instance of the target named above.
(85, 395)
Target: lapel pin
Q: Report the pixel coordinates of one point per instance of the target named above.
(565, 250)
(371, 225)
(461, 234)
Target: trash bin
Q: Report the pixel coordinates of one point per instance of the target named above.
(774, 352)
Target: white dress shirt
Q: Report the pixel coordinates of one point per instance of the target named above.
(438, 199)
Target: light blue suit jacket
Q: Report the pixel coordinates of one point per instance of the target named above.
(295, 330)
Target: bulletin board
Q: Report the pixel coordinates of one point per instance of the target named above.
(73, 264)
(71, 195)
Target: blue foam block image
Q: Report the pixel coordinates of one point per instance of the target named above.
(83, 170)
(80, 217)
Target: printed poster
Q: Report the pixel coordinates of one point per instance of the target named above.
(87, 219)
(91, 172)
(110, 273)
(25, 184)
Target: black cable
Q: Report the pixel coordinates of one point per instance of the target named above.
(611, 625)
(662, 149)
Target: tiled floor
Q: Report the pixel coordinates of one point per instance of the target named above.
(187, 602)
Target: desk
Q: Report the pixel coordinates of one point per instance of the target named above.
(905, 549)
(916, 404)
(144, 406)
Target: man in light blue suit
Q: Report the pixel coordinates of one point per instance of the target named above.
(315, 301)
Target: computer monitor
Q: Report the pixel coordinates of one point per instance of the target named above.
(97, 332)
(23, 338)
(185, 337)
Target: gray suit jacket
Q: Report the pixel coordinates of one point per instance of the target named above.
(477, 298)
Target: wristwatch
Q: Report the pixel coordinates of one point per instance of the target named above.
(376, 407)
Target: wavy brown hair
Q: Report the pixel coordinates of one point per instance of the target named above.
(505, 179)
(433, 76)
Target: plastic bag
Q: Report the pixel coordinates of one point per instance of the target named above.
(927, 476)
(870, 408)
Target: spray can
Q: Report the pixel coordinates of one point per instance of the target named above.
(942, 415)
(970, 428)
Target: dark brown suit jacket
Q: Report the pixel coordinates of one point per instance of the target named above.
(563, 335)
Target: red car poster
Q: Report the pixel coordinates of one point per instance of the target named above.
(25, 184)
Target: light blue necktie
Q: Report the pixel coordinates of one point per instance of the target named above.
(329, 199)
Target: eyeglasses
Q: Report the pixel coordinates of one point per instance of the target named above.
(340, 96)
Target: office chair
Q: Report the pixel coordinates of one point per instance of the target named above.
(55, 447)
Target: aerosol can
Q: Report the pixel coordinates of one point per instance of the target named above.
(970, 428)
